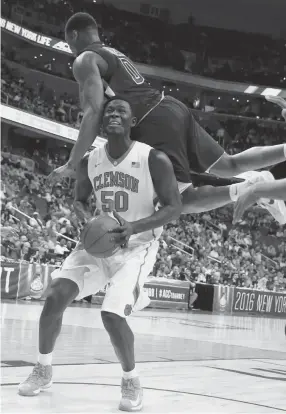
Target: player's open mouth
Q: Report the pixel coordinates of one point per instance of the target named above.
(114, 123)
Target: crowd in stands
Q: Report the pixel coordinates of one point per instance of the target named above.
(38, 100)
(202, 248)
(234, 133)
(250, 255)
(50, 210)
(244, 57)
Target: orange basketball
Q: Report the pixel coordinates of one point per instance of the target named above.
(96, 239)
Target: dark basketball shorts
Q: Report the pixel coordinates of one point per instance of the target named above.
(279, 171)
(171, 128)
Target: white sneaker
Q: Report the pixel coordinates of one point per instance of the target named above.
(276, 208)
(132, 395)
(39, 380)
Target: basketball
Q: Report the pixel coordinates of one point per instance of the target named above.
(96, 239)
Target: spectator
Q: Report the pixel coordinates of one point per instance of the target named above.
(61, 247)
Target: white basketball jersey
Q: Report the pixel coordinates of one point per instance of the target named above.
(125, 185)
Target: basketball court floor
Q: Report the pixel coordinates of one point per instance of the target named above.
(188, 362)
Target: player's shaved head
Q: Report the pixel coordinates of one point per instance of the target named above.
(81, 22)
(81, 31)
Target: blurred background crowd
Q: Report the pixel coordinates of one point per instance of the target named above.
(202, 248)
(151, 38)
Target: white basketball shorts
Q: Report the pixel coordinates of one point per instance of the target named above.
(123, 275)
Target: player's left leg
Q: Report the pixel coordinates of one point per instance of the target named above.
(121, 300)
(207, 197)
(206, 155)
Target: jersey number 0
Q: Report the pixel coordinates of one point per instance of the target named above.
(128, 66)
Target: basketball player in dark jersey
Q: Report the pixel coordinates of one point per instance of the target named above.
(164, 123)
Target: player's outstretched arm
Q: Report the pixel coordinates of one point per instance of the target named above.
(251, 159)
(83, 190)
(86, 73)
(274, 190)
(166, 187)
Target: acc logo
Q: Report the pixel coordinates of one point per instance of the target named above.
(128, 310)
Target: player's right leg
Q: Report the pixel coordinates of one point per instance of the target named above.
(205, 154)
(206, 198)
(121, 299)
(79, 277)
(61, 293)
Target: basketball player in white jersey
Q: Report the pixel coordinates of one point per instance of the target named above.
(126, 176)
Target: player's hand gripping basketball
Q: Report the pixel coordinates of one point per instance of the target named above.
(121, 234)
(278, 101)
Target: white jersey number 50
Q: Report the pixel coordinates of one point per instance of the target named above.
(117, 201)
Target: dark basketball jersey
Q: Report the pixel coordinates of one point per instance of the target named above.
(122, 78)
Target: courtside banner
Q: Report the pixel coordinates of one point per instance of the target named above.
(164, 293)
(52, 43)
(223, 297)
(34, 37)
(16, 116)
(169, 291)
(22, 279)
(259, 302)
(31, 121)
(9, 279)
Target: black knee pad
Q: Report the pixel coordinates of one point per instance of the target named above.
(200, 180)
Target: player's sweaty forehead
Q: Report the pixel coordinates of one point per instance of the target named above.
(117, 104)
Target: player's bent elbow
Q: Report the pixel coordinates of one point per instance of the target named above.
(234, 165)
(176, 211)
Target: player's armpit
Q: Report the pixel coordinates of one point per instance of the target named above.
(164, 180)
(88, 76)
(166, 187)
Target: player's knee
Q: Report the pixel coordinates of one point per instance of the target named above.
(61, 293)
(111, 320)
(226, 166)
(231, 165)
